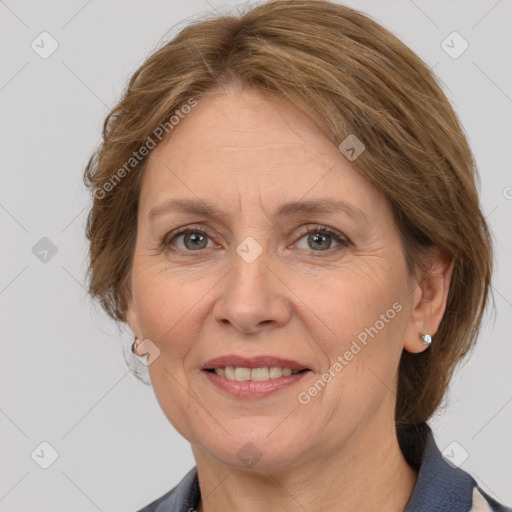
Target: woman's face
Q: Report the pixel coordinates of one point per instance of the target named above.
(336, 301)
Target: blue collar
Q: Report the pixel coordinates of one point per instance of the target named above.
(440, 486)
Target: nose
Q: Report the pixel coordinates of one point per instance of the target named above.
(253, 297)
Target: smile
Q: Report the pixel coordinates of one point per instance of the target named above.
(253, 383)
(241, 374)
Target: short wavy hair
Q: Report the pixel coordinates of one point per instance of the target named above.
(355, 77)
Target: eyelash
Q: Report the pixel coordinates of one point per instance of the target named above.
(170, 237)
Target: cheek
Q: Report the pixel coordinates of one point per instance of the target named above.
(360, 333)
(165, 304)
(167, 309)
(361, 337)
(351, 304)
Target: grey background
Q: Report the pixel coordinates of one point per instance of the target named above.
(63, 374)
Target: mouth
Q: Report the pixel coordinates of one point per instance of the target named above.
(253, 377)
(253, 383)
(265, 373)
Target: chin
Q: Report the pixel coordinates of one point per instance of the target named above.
(259, 452)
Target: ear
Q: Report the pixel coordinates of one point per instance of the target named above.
(429, 300)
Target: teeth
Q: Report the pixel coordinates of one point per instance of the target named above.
(265, 373)
(275, 372)
(242, 374)
(259, 374)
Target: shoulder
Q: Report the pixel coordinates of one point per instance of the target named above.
(442, 486)
(482, 502)
(184, 497)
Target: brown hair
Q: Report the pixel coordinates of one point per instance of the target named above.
(356, 78)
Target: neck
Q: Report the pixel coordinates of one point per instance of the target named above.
(368, 473)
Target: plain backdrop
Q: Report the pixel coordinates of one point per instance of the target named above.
(63, 375)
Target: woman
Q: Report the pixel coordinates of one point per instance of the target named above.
(285, 214)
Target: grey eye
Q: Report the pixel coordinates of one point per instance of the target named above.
(193, 240)
(318, 241)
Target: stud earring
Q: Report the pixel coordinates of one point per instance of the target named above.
(427, 339)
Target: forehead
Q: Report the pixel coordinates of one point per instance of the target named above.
(242, 144)
(244, 122)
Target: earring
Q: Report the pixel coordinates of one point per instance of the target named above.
(135, 344)
(427, 339)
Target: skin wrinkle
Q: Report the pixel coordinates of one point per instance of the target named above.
(341, 448)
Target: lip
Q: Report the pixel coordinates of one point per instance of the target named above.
(253, 389)
(252, 362)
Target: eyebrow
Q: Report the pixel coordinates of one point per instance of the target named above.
(290, 208)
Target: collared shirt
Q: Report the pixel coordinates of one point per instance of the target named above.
(440, 487)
